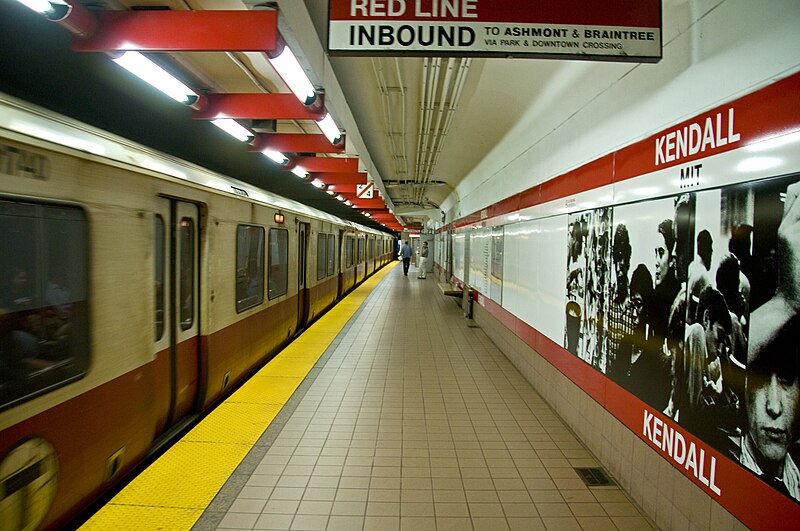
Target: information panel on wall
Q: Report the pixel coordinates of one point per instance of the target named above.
(620, 30)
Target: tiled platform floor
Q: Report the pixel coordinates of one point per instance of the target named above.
(414, 420)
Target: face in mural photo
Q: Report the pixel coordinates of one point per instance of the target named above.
(621, 258)
(663, 251)
(773, 407)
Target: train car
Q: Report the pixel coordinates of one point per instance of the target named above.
(663, 280)
(137, 291)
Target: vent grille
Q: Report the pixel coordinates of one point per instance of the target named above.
(594, 477)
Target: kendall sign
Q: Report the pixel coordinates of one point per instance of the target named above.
(621, 30)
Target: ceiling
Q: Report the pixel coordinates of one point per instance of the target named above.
(412, 122)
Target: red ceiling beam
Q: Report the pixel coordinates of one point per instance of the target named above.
(78, 20)
(339, 178)
(296, 143)
(256, 107)
(364, 203)
(340, 188)
(327, 164)
(184, 31)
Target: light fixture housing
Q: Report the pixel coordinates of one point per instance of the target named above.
(40, 6)
(288, 67)
(52, 9)
(318, 183)
(235, 129)
(277, 156)
(330, 129)
(300, 172)
(147, 70)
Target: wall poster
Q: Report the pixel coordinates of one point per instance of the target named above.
(691, 303)
(496, 273)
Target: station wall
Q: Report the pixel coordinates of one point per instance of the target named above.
(557, 249)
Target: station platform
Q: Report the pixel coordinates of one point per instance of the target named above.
(393, 411)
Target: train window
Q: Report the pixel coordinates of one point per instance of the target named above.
(186, 269)
(249, 266)
(44, 324)
(360, 256)
(370, 249)
(322, 256)
(348, 252)
(278, 262)
(331, 254)
(159, 276)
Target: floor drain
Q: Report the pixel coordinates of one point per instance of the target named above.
(594, 477)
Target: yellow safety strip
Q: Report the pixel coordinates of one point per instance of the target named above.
(173, 492)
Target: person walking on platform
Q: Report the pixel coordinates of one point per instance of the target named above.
(423, 261)
(405, 254)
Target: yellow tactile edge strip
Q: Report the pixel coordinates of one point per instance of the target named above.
(175, 490)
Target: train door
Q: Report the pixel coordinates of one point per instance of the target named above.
(302, 289)
(361, 259)
(177, 305)
(340, 260)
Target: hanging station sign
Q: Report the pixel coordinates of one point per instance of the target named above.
(610, 30)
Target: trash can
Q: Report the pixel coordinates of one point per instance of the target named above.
(466, 302)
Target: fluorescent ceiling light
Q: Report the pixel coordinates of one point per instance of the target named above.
(292, 73)
(348, 203)
(330, 129)
(330, 192)
(277, 156)
(235, 129)
(340, 198)
(300, 172)
(40, 6)
(147, 70)
(43, 6)
(319, 184)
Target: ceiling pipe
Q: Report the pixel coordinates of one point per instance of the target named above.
(423, 104)
(436, 137)
(394, 114)
(430, 79)
(459, 86)
(452, 105)
(399, 183)
(403, 147)
(448, 99)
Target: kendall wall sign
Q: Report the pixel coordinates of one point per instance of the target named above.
(621, 30)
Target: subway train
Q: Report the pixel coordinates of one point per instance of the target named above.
(137, 291)
(663, 279)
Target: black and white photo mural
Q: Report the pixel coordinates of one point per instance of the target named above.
(691, 303)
